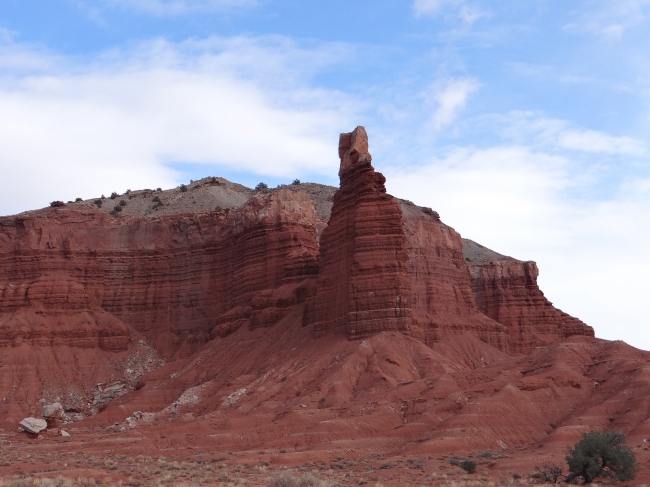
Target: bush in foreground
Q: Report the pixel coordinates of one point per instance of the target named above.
(468, 465)
(601, 455)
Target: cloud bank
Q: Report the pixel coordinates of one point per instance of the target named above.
(71, 130)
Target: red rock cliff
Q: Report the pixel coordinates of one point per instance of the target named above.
(390, 266)
(506, 290)
(170, 278)
(363, 285)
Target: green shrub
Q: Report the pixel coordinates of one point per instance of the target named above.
(468, 465)
(183, 188)
(122, 203)
(261, 187)
(601, 455)
(114, 195)
(57, 203)
(77, 200)
(98, 202)
(296, 182)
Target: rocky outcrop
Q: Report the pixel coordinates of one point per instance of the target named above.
(363, 284)
(390, 266)
(439, 284)
(90, 298)
(170, 278)
(506, 290)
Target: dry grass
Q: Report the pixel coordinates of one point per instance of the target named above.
(45, 482)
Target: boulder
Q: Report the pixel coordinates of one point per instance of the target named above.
(33, 425)
(53, 411)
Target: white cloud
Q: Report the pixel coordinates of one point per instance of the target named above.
(591, 252)
(119, 121)
(460, 8)
(179, 7)
(599, 142)
(610, 19)
(449, 98)
(535, 128)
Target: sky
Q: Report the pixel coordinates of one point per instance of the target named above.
(524, 124)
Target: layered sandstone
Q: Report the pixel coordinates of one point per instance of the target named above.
(91, 298)
(506, 290)
(440, 287)
(169, 278)
(363, 284)
(386, 266)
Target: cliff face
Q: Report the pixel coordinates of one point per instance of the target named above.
(107, 294)
(442, 299)
(506, 290)
(386, 266)
(170, 278)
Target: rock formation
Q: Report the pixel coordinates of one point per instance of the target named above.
(123, 293)
(505, 289)
(386, 265)
(274, 326)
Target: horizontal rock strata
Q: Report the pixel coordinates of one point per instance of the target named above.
(506, 290)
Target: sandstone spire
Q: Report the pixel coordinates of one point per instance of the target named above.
(353, 149)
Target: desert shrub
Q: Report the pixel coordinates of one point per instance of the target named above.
(128, 191)
(114, 195)
(217, 208)
(601, 455)
(56, 204)
(156, 199)
(183, 188)
(98, 202)
(550, 473)
(308, 480)
(455, 461)
(77, 200)
(158, 189)
(484, 454)
(284, 478)
(296, 182)
(117, 209)
(468, 465)
(261, 187)
(122, 203)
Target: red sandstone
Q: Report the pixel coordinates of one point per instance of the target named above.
(245, 331)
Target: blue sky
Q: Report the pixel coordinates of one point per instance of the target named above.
(525, 124)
